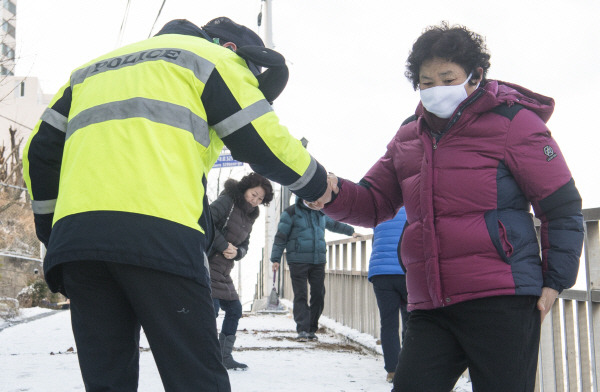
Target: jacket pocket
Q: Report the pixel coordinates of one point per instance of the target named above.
(506, 245)
(498, 235)
(291, 246)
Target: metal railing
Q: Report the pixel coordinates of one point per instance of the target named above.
(570, 338)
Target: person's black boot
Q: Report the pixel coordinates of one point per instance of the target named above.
(227, 348)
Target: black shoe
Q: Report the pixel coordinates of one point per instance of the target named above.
(302, 336)
(312, 337)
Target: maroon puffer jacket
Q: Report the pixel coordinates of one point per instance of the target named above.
(468, 195)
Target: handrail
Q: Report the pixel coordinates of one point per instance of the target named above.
(570, 336)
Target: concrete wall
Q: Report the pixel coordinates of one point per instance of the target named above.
(17, 273)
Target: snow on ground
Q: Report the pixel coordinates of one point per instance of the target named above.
(39, 356)
(25, 314)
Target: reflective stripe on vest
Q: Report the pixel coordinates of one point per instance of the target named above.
(153, 110)
(43, 206)
(55, 119)
(242, 118)
(306, 177)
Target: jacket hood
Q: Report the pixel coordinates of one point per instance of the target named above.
(495, 93)
(230, 188)
(182, 26)
(510, 94)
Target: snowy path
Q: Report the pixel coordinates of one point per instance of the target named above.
(38, 356)
(35, 356)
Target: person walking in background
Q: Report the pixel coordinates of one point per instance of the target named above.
(469, 166)
(301, 233)
(116, 170)
(389, 285)
(233, 214)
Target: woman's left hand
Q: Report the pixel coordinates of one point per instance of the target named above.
(230, 252)
(546, 301)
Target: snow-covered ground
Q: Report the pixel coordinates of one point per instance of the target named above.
(37, 354)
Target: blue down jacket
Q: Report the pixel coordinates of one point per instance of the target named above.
(384, 254)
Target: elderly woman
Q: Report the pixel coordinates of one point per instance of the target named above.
(233, 213)
(468, 166)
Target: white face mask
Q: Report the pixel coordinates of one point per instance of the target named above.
(443, 100)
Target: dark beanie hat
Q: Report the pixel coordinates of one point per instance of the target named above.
(228, 31)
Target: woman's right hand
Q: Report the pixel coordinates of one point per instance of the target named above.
(332, 187)
(275, 267)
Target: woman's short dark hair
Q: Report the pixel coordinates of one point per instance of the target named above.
(453, 43)
(253, 180)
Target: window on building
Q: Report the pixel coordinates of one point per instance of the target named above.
(12, 30)
(22, 89)
(8, 52)
(5, 71)
(9, 28)
(10, 6)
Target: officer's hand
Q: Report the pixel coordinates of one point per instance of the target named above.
(326, 198)
(333, 181)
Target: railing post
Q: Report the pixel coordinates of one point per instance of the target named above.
(547, 362)
(585, 356)
(559, 356)
(592, 255)
(572, 367)
(592, 267)
(353, 256)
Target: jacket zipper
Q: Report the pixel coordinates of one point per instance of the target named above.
(446, 301)
(457, 116)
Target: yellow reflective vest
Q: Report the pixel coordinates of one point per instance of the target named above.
(116, 167)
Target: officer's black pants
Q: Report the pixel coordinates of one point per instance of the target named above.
(109, 302)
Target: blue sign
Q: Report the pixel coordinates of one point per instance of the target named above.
(226, 160)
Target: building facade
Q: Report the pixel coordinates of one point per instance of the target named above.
(22, 102)
(8, 34)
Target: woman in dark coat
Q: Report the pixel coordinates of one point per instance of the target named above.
(233, 214)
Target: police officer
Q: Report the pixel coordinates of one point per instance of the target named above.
(116, 169)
